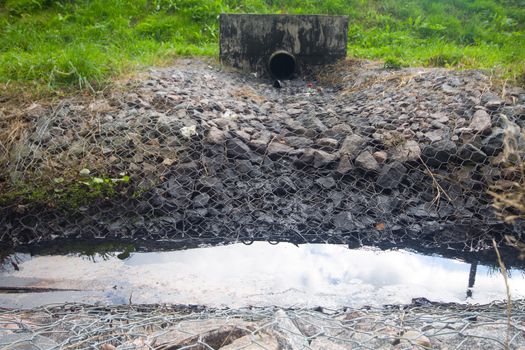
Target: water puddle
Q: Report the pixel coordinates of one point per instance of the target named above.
(260, 274)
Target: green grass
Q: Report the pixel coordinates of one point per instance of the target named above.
(84, 44)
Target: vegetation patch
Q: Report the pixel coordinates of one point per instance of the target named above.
(80, 44)
(393, 63)
(65, 194)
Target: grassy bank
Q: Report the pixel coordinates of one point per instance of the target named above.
(83, 44)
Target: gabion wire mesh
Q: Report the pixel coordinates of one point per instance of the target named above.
(421, 325)
(194, 153)
(356, 153)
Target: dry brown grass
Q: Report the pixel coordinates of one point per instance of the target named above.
(354, 75)
(248, 94)
(12, 127)
(509, 196)
(337, 73)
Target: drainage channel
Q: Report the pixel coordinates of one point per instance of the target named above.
(260, 274)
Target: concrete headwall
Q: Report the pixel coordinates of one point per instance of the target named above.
(247, 41)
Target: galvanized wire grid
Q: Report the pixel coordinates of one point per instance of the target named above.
(417, 326)
(363, 155)
(193, 151)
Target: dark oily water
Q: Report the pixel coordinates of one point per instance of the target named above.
(259, 274)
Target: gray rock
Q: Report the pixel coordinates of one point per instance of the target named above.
(407, 152)
(340, 130)
(517, 111)
(26, 341)
(344, 165)
(435, 135)
(343, 220)
(148, 168)
(391, 175)
(265, 218)
(201, 200)
(243, 166)
(480, 122)
(218, 106)
(211, 182)
(437, 125)
(294, 111)
(454, 81)
(493, 144)
(173, 218)
(138, 158)
(119, 142)
(189, 168)
(212, 331)
(285, 185)
(327, 143)
(413, 337)
(352, 144)
(489, 96)
(424, 210)
(469, 152)
(515, 91)
(327, 344)
(366, 161)
(313, 123)
(277, 149)
(298, 141)
(235, 148)
(285, 326)
(336, 197)
(216, 136)
(230, 115)
(439, 153)
(449, 89)
(225, 124)
(326, 182)
(440, 118)
(380, 156)
(387, 204)
(307, 157)
(317, 157)
(260, 340)
(494, 104)
(295, 126)
(260, 140)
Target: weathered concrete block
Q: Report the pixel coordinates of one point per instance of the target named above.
(281, 45)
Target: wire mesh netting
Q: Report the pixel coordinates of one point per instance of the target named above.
(193, 153)
(416, 326)
(358, 153)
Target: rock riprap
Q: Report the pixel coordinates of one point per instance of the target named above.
(376, 155)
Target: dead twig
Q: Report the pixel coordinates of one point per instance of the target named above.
(439, 190)
(266, 150)
(507, 290)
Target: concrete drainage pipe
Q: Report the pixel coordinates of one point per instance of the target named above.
(282, 65)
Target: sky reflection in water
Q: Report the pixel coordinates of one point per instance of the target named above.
(261, 274)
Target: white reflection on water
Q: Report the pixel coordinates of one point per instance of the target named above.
(262, 274)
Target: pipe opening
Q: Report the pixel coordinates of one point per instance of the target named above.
(282, 65)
